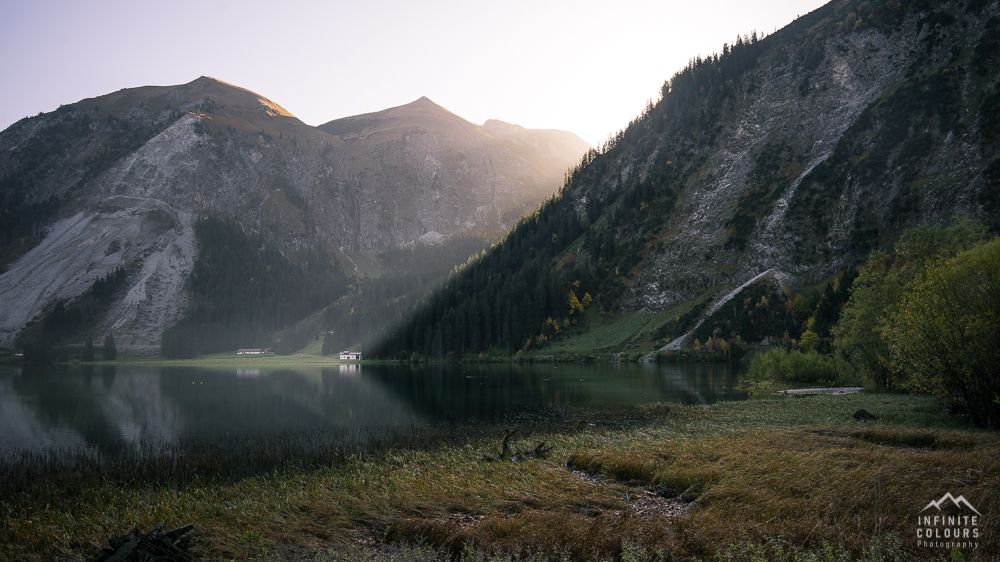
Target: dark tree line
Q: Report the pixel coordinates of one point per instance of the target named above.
(376, 305)
(534, 285)
(67, 322)
(761, 311)
(502, 299)
(245, 290)
(19, 219)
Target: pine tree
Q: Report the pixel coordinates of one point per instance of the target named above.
(88, 350)
(110, 350)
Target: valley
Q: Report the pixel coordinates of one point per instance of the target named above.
(127, 176)
(623, 352)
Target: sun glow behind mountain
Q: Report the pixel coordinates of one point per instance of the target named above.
(586, 67)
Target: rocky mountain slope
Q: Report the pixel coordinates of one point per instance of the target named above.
(849, 127)
(435, 173)
(797, 153)
(117, 181)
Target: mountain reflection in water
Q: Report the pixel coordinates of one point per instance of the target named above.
(87, 406)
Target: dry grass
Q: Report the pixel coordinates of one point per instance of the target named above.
(812, 487)
(769, 486)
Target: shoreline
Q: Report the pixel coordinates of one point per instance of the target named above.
(740, 467)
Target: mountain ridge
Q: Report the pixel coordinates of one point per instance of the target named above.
(126, 175)
(402, 116)
(798, 153)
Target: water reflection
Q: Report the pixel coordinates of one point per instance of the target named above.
(88, 406)
(462, 392)
(68, 407)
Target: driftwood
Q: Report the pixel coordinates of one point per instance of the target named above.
(508, 454)
(157, 545)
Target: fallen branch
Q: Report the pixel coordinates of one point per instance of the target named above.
(538, 452)
(508, 454)
(169, 546)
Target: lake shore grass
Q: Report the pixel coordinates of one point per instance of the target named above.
(771, 479)
(226, 359)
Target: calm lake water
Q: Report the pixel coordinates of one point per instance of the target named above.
(93, 406)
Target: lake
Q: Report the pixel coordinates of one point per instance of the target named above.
(88, 406)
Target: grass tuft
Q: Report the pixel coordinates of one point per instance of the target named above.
(921, 439)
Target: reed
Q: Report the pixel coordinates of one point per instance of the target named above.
(777, 479)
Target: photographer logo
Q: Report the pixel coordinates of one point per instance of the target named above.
(948, 522)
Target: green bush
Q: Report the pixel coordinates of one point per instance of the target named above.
(779, 365)
(945, 331)
(878, 292)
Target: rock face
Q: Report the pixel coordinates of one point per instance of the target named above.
(781, 159)
(432, 171)
(845, 129)
(93, 243)
(847, 82)
(116, 181)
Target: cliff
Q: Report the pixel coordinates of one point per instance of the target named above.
(794, 155)
(117, 181)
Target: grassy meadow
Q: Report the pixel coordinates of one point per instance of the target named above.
(791, 478)
(303, 357)
(603, 334)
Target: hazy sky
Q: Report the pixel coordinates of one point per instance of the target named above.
(582, 66)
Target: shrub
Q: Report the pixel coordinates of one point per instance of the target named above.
(780, 365)
(944, 334)
(879, 289)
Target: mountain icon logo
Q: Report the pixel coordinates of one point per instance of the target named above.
(960, 501)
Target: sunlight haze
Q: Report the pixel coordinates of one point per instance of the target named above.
(585, 67)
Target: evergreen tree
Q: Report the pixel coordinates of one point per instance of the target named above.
(88, 349)
(246, 290)
(36, 354)
(110, 350)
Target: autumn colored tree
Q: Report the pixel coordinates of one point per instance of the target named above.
(946, 331)
(878, 290)
(809, 340)
(800, 306)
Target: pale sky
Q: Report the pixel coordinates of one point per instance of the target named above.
(582, 66)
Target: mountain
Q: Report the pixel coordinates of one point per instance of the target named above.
(113, 188)
(792, 155)
(442, 173)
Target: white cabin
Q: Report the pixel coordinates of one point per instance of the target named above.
(350, 356)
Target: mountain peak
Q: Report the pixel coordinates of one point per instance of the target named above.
(421, 113)
(226, 93)
(167, 154)
(424, 103)
(186, 97)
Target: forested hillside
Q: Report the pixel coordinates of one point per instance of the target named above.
(799, 152)
(245, 290)
(118, 181)
(376, 305)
